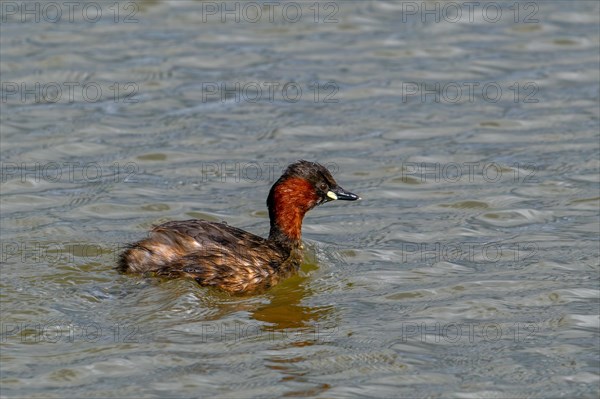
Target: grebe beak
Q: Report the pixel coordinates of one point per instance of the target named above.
(339, 193)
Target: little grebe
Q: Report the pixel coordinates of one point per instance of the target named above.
(218, 255)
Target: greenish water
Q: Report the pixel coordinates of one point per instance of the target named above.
(468, 270)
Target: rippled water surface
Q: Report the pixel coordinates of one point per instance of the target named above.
(468, 270)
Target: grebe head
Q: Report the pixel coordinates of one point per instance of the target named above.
(302, 186)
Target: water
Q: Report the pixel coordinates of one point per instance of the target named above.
(470, 268)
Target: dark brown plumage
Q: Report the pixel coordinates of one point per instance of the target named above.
(218, 255)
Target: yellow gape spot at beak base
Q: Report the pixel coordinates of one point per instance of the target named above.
(332, 195)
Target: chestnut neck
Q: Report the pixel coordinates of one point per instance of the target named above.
(289, 200)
